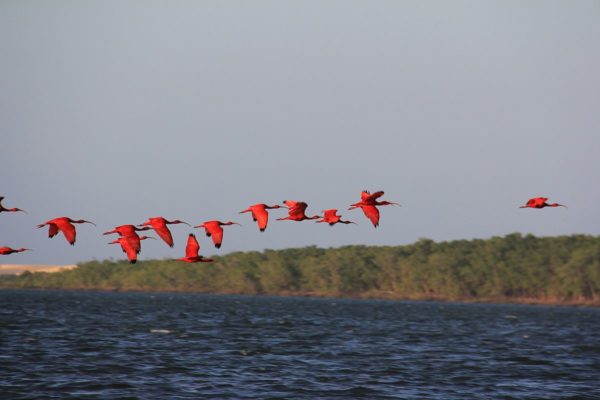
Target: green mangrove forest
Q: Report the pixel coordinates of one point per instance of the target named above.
(513, 268)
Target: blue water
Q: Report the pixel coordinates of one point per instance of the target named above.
(91, 345)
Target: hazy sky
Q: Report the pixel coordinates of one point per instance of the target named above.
(116, 111)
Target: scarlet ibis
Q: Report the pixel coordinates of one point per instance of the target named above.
(260, 215)
(213, 229)
(191, 251)
(2, 208)
(130, 233)
(159, 224)
(540, 202)
(65, 225)
(127, 230)
(127, 247)
(296, 211)
(330, 216)
(368, 203)
(7, 250)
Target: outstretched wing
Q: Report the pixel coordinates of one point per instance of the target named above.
(52, 230)
(129, 250)
(68, 230)
(165, 234)
(372, 213)
(298, 209)
(192, 247)
(370, 198)
(217, 236)
(262, 217)
(329, 214)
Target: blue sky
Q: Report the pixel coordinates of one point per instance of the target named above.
(118, 111)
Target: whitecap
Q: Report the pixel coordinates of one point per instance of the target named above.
(163, 331)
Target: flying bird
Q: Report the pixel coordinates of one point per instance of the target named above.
(126, 246)
(159, 224)
(65, 225)
(2, 208)
(130, 233)
(213, 229)
(296, 211)
(7, 250)
(260, 215)
(330, 216)
(368, 203)
(191, 251)
(127, 230)
(540, 202)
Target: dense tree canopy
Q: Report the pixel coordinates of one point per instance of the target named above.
(510, 268)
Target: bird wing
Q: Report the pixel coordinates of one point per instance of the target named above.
(536, 201)
(372, 213)
(290, 203)
(129, 249)
(216, 232)
(329, 214)
(192, 247)
(52, 229)
(163, 231)
(134, 242)
(68, 229)
(262, 217)
(298, 209)
(370, 198)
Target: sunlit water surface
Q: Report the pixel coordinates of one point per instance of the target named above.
(85, 345)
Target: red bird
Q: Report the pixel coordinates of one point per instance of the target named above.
(368, 203)
(65, 225)
(2, 208)
(159, 224)
(130, 233)
(127, 247)
(213, 229)
(191, 251)
(296, 211)
(540, 202)
(330, 216)
(7, 250)
(260, 215)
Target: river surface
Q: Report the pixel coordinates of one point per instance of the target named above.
(100, 345)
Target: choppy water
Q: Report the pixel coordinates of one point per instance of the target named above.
(166, 346)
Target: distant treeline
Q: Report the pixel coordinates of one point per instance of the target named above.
(564, 269)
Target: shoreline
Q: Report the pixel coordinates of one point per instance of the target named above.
(357, 296)
(18, 269)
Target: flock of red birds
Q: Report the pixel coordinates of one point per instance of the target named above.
(130, 241)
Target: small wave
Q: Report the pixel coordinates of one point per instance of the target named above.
(162, 331)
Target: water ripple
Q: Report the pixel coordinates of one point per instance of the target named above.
(155, 346)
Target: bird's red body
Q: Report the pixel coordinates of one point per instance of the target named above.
(4, 209)
(330, 216)
(540, 202)
(64, 225)
(213, 229)
(260, 215)
(159, 224)
(191, 251)
(128, 248)
(297, 211)
(368, 203)
(7, 250)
